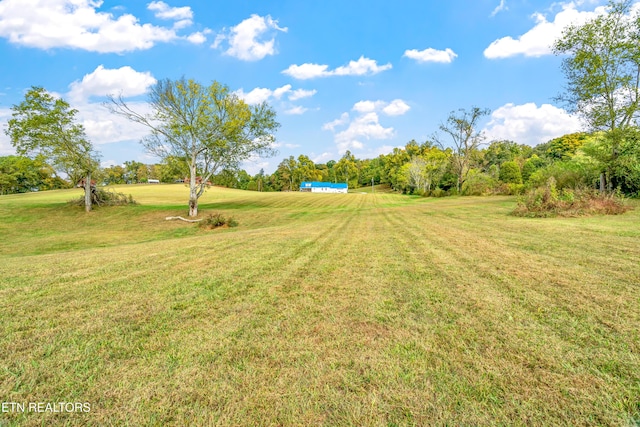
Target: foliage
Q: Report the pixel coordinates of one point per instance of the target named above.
(216, 220)
(510, 173)
(465, 138)
(581, 171)
(602, 67)
(548, 201)
(478, 184)
(499, 152)
(44, 125)
(622, 158)
(531, 165)
(564, 147)
(20, 174)
(210, 127)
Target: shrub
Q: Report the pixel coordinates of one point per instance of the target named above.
(547, 201)
(510, 189)
(216, 220)
(437, 192)
(478, 184)
(510, 173)
(578, 172)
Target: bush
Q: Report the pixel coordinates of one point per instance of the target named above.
(216, 220)
(437, 192)
(547, 201)
(578, 172)
(510, 173)
(478, 184)
(510, 189)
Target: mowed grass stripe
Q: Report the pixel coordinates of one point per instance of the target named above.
(499, 300)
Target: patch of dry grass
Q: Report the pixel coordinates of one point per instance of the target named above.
(356, 309)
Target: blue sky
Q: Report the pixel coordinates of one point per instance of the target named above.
(356, 75)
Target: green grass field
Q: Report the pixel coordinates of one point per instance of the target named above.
(354, 309)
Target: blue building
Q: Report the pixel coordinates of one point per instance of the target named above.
(323, 187)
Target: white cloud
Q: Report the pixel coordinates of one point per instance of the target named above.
(539, 40)
(108, 163)
(321, 158)
(76, 24)
(281, 91)
(397, 107)
(296, 110)
(260, 94)
(343, 120)
(368, 106)
(246, 39)
(218, 41)
(502, 6)
(198, 37)
(301, 93)
(366, 126)
(530, 124)
(5, 143)
(307, 71)
(431, 55)
(361, 67)
(164, 11)
(103, 127)
(104, 81)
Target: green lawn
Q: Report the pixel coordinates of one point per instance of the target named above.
(349, 309)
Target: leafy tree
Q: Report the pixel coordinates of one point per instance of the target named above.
(45, 125)
(306, 170)
(173, 168)
(114, 175)
(566, 146)
(347, 169)
(532, 164)
(133, 171)
(287, 173)
(625, 167)
(510, 173)
(18, 174)
(465, 138)
(210, 127)
(499, 152)
(602, 68)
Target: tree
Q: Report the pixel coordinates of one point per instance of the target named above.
(45, 125)
(347, 169)
(602, 69)
(114, 174)
(461, 129)
(210, 127)
(510, 173)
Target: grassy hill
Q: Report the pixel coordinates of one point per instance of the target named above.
(318, 309)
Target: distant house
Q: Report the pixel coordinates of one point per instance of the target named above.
(80, 183)
(323, 187)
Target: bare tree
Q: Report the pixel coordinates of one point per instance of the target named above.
(465, 138)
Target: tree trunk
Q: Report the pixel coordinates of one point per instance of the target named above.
(193, 193)
(602, 182)
(87, 192)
